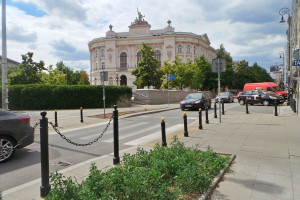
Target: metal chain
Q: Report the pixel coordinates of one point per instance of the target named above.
(79, 144)
(27, 135)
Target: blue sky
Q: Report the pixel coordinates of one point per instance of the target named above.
(56, 30)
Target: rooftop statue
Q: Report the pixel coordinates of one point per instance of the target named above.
(139, 20)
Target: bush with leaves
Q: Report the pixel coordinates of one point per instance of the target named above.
(174, 172)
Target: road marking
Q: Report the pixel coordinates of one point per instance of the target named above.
(133, 133)
(154, 136)
(127, 127)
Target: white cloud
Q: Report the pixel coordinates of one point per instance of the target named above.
(248, 29)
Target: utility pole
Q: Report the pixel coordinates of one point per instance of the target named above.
(4, 59)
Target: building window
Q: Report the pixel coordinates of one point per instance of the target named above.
(110, 81)
(138, 57)
(96, 54)
(179, 49)
(194, 50)
(157, 56)
(102, 53)
(96, 66)
(103, 65)
(123, 60)
(188, 49)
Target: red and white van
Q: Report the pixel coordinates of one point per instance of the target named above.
(268, 86)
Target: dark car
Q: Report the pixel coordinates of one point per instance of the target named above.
(225, 97)
(15, 130)
(194, 101)
(259, 97)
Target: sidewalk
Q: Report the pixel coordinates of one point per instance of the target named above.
(267, 166)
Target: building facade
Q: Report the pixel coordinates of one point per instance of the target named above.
(118, 54)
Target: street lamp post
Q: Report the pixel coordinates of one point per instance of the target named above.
(4, 59)
(282, 12)
(281, 55)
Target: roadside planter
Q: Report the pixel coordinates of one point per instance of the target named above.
(175, 172)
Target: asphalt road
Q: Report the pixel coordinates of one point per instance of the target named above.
(134, 131)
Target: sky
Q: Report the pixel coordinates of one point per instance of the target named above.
(59, 30)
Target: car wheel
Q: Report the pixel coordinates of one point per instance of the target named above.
(266, 103)
(241, 102)
(6, 148)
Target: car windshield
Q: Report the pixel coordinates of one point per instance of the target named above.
(262, 92)
(224, 94)
(194, 96)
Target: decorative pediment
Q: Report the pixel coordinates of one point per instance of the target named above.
(205, 37)
(169, 46)
(110, 50)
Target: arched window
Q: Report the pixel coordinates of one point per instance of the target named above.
(157, 56)
(110, 81)
(179, 49)
(103, 65)
(123, 60)
(188, 49)
(123, 80)
(102, 53)
(138, 57)
(96, 54)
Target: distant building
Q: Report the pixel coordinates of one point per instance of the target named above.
(119, 53)
(10, 62)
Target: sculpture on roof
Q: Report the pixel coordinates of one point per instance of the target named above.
(140, 19)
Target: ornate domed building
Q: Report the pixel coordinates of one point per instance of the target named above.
(118, 54)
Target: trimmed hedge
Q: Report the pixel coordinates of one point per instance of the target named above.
(38, 97)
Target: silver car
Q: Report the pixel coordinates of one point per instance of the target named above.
(15, 133)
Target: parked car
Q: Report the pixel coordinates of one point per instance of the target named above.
(259, 97)
(268, 86)
(225, 97)
(14, 126)
(194, 101)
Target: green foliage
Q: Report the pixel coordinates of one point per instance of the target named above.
(163, 173)
(53, 77)
(37, 97)
(28, 72)
(148, 72)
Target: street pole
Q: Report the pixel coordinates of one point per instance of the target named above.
(102, 79)
(219, 89)
(4, 59)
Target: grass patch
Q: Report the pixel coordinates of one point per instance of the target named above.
(166, 173)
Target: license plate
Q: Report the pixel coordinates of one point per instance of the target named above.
(188, 105)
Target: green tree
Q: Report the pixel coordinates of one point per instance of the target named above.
(148, 72)
(53, 77)
(28, 72)
(203, 78)
(83, 78)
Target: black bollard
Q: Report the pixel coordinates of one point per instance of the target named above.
(200, 118)
(81, 115)
(163, 132)
(215, 109)
(55, 118)
(186, 134)
(116, 159)
(206, 114)
(247, 111)
(223, 112)
(275, 104)
(45, 187)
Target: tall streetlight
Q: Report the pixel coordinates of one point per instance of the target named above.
(281, 56)
(282, 12)
(4, 59)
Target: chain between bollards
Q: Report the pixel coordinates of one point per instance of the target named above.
(223, 112)
(275, 104)
(45, 187)
(206, 114)
(186, 133)
(200, 119)
(215, 109)
(55, 118)
(116, 159)
(81, 115)
(163, 132)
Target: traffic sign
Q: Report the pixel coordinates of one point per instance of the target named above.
(218, 63)
(171, 77)
(296, 62)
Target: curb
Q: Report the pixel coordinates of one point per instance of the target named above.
(147, 112)
(217, 180)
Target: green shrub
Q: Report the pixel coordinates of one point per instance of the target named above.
(162, 173)
(38, 97)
